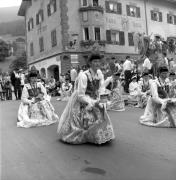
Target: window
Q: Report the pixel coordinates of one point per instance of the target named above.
(51, 7)
(86, 33)
(130, 39)
(133, 11)
(97, 33)
(30, 24)
(85, 16)
(53, 38)
(115, 37)
(31, 49)
(171, 19)
(156, 16)
(113, 7)
(95, 3)
(39, 17)
(84, 3)
(41, 44)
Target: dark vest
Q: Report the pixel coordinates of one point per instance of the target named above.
(163, 91)
(34, 92)
(145, 88)
(92, 87)
(111, 85)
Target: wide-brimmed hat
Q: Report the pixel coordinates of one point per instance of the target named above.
(32, 73)
(163, 69)
(94, 56)
(134, 77)
(145, 73)
(172, 73)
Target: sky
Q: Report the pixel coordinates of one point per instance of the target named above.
(9, 3)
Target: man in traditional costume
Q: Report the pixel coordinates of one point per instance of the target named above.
(161, 109)
(85, 119)
(35, 108)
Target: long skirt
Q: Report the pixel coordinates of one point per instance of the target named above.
(157, 117)
(116, 102)
(79, 125)
(38, 114)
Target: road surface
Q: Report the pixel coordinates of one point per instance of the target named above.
(137, 153)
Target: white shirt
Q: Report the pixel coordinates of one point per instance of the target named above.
(147, 64)
(166, 61)
(73, 74)
(127, 66)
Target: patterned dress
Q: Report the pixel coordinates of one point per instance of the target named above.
(35, 108)
(83, 120)
(116, 102)
(160, 110)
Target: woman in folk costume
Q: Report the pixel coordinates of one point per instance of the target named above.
(85, 119)
(134, 91)
(113, 84)
(160, 110)
(35, 108)
(66, 90)
(144, 85)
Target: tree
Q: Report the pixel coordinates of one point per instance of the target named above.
(19, 63)
(4, 50)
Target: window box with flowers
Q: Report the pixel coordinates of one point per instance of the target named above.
(92, 8)
(91, 43)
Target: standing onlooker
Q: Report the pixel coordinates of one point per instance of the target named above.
(166, 62)
(127, 68)
(73, 75)
(17, 87)
(22, 78)
(147, 64)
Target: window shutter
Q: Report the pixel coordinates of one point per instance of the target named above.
(119, 8)
(55, 6)
(128, 10)
(152, 15)
(108, 36)
(32, 23)
(130, 39)
(48, 10)
(37, 19)
(138, 12)
(168, 21)
(42, 15)
(121, 38)
(107, 6)
(28, 25)
(175, 20)
(160, 17)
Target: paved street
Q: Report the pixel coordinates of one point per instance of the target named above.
(137, 153)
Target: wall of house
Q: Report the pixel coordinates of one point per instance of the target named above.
(162, 28)
(44, 29)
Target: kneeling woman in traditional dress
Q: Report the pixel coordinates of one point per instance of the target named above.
(113, 84)
(35, 108)
(161, 109)
(85, 119)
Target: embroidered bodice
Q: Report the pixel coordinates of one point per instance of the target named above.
(163, 90)
(33, 91)
(92, 87)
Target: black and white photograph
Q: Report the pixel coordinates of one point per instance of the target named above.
(87, 89)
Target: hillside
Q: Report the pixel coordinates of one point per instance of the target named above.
(8, 14)
(15, 28)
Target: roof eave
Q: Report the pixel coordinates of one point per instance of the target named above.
(23, 7)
